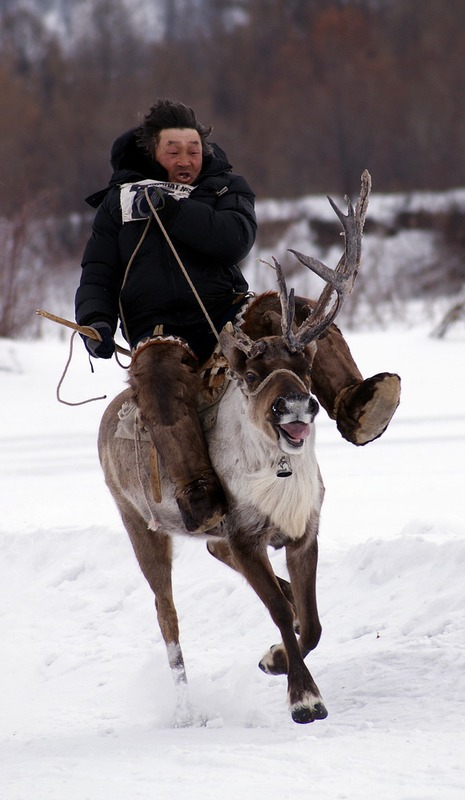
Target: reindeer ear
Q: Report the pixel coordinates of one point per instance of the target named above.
(310, 350)
(272, 324)
(233, 353)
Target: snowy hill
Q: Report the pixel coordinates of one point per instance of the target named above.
(69, 20)
(151, 20)
(413, 247)
(88, 701)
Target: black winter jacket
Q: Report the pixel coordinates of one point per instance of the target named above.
(212, 230)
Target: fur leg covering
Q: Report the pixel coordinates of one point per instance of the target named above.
(164, 380)
(362, 408)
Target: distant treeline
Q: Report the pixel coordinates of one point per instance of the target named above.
(302, 94)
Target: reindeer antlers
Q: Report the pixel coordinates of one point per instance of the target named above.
(287, 308)
(340, 280)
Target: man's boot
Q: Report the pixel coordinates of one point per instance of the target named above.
(362, 408)
(164, 380)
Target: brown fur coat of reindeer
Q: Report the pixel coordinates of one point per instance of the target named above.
(262, 449)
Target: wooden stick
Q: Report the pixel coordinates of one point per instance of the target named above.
(84, 329)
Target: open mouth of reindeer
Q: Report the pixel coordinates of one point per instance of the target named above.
(294, 433)
(293, 417)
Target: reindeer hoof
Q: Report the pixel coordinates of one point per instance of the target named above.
(304, 714)
(274, 662)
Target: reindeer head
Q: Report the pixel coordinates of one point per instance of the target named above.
(276, 383)
(273, 371)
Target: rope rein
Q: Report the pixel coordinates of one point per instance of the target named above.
(126, 273)
(60, 382)
(181, 265)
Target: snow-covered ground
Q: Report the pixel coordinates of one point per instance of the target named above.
(87, 697)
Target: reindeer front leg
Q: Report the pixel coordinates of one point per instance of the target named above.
(221, 550)
(302, 560)
(252, 561)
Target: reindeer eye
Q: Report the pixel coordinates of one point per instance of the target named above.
(250, 378)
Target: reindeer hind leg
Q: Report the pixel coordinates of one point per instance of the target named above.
(153, 550)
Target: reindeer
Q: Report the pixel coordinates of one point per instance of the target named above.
(262, 448)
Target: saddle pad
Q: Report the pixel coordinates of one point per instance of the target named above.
(129, 422)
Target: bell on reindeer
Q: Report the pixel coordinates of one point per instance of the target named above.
(284, 468)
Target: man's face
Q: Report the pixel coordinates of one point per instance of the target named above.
(179, 151)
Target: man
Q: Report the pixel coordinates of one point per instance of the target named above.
(208, 213)
(168, 234)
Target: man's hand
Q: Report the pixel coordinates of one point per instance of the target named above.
(106, 347)
(155, 200)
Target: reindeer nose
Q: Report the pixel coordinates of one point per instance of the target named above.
(286, 404)
(313, 407)
(279, 406)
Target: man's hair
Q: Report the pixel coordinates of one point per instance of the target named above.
(168, 114)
